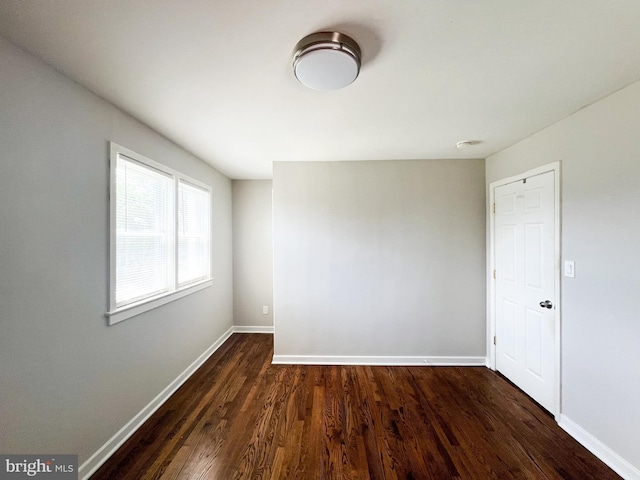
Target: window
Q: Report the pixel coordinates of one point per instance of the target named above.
(160, 235)
(193, 233)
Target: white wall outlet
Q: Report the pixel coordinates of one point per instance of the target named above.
(569, 268)
(265, 310)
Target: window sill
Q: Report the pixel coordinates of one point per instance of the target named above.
(128, 311)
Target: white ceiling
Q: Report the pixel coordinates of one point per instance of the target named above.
(215, 76)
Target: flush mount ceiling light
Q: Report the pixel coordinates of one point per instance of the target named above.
(326, 61)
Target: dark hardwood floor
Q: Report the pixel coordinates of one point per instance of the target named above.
(240, 417)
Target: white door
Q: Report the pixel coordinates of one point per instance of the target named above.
(525, 303)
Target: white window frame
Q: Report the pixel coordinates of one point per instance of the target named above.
(117, 314)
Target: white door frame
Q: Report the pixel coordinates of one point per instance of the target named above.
(491, 290)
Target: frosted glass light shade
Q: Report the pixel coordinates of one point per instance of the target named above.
(326, 61)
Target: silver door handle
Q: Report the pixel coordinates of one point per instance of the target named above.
(546, 304)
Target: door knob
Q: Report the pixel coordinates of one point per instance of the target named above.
(546, 304)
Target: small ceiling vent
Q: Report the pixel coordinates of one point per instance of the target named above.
(466, 144)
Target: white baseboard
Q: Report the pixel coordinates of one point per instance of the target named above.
(252, 329)
(375, 360)
(96, 460)
(599, 449)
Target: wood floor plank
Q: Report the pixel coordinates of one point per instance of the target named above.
(239, 417)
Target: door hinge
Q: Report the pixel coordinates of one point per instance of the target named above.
(494, 339)
(494, 274)
(494, 208)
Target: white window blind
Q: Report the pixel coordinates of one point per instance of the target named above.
(144, 231)
(193, 233)
(160, 234)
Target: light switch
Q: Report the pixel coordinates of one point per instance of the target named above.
(265, 310)
(569, 268)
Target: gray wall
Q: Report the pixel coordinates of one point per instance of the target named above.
(68, 382)
(252, 253)
(382, 258)
(600, 155)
